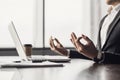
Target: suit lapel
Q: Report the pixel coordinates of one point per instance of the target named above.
(111, 27)
(99, 38)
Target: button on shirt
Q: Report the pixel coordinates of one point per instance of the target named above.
(108, 20)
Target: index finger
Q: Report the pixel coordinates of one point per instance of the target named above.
(86, 38)
(58, 42)
(73, 36)
(51, 42)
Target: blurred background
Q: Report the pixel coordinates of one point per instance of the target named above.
(37, 20)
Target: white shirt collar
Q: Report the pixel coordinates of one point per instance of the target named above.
(116, 8)
(112, 9)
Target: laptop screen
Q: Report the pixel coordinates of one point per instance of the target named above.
(18, 44)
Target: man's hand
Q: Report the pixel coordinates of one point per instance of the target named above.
(58, 48)
(87, 49)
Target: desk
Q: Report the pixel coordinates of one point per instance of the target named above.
(77, 69)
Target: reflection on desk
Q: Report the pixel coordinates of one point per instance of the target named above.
(77, 69)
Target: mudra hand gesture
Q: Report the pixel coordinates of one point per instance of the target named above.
(88, 49)
(58, 47)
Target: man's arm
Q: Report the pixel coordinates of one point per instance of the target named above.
(76, 54)
(107, 57)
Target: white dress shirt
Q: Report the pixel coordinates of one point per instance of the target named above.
(108, 20)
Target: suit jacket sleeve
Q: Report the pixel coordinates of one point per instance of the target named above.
(110, 58)
(75, 54)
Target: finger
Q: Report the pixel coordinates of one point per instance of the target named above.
(50, 39)
(58, 42)
(79, 44)
(73, 43)
(76, 41)
(86, 39)
(52, 42)
(73, 36)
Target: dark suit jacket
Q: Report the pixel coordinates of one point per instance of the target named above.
(111, 48)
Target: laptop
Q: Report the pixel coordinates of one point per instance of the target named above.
(21, 51)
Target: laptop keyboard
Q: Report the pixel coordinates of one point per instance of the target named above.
(50, 58)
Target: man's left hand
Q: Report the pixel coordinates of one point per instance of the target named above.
(88, 49)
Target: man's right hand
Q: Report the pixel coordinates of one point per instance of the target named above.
(58, 48)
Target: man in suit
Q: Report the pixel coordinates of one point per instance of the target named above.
(107, 50)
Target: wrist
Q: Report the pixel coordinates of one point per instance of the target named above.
(99, 57)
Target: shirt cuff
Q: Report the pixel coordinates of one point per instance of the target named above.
(68, 55)
(99, 58)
